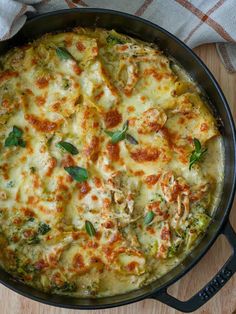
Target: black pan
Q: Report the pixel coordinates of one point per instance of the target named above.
(137, 27)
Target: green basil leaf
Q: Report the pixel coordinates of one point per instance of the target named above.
(118, 135)
(14, 138)
(131, 139)
(149, 217)
(109, 133)
(21, 142)
(197, 145)
(197, 154)
(90, 228)
(63, 54)
(43, 228)
(11, 140)
(68, 147)
(17, 132)
(77, 173)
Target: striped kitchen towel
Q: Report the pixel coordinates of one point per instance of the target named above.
(194, 21)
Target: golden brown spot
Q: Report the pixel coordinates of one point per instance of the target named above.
(97, 181)
(94, 197)
(56, 106)
(151, 230)
(84, 189)
(139, 173)
(108, 224)
(92, 150)
(145, 154)
(154, 206)
(132, 121)
(42, 82)
(77, 69)
(131, 109)
(80, 46)
(67, 161)
(113, 151)
(78, 261)
(157, 75)
(41, 264)
(29, 233)
(131, 266)
(32, 200)
(51, 166)
(56, 278)
(95, 125)
(95, 50)
(23, 159)
(17, 221)
(29, 91)
(123, 47)
(92, 244)
(40, 100)
(165, 234)
(7, 75)
(152, 179)
(99, 96)
(41, 125)
(112, 118)
(106, 202)
(5, 169)
(204, 127)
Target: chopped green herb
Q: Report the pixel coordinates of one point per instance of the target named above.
(34, 240)
(149, 217)
(90, 228)
(17, 132)
(66, 287)
(131, 139)
(173, 249)
(32, 169)
(202, 221)
(43, 228)
(49, 141)
(65, 83)
(77, 173)
(197, 154)
(31, 219)
(118, 135)
(14, 138)
(66, 146)
(112, 40)
(28, 268)
(10, 184)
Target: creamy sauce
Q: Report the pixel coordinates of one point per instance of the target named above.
(111, 164)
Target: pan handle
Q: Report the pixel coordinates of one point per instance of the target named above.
(212, 287)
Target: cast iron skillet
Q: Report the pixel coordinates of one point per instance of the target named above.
(137, 27)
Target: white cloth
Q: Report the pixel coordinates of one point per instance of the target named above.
(194, 21)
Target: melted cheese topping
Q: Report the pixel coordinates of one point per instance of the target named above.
(146, 207)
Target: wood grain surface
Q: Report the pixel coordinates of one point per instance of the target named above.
(223, 303)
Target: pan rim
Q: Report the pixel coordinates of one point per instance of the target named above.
(229, 201)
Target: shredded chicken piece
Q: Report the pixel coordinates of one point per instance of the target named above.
(123, 194)
(3, 195)
(199, 192)
(176, 190)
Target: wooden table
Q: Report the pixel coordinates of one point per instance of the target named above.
(223, 303)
